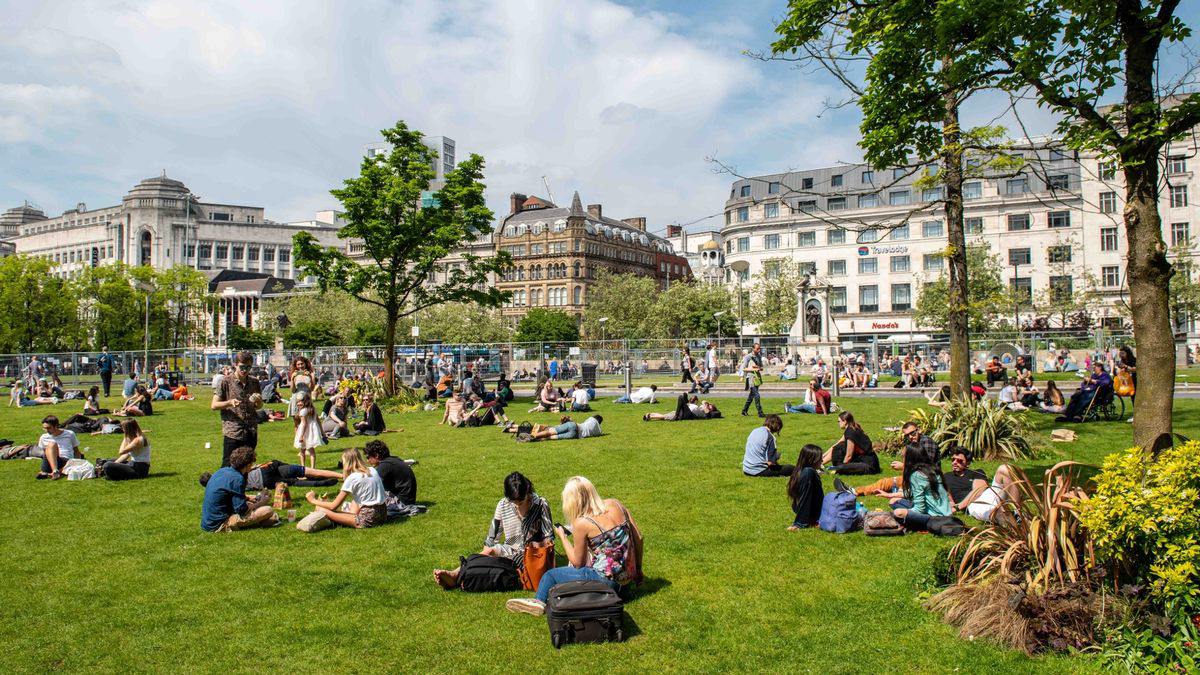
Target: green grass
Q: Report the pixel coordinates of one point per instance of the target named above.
(118, 576)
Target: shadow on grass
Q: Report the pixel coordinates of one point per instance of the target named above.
(168, 474)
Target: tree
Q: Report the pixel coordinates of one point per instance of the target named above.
(690, 309)
(310, 335)
(238, 338)
(356, 323)
(402, 240)
(1072, 56)
(41, 311)
(546, 325)
(625, 300)
(183, 292)
(987, 297)
(461, 323)
(114, 310)
(773, 299)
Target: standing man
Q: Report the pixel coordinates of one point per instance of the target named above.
(105, 363)
(238, 398)
(34, 372)
(752, 371)
(710, 359)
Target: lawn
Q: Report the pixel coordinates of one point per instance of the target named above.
(118, 576)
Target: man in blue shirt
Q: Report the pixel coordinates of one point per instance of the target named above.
(226, 507)
(762, 457)
(1081, 399)
(105, 363)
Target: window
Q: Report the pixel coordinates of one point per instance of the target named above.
(807, 267)
(1110, 276)
(773, 188)
(1179, 196)
(190, 252)
(1107, 170)
(835, 268)
(1022, 289)
(219, 216)
(222, 251)
(770, 210)
(806, 238)
(868, 266)
(577, 298)
(537, 249)
(1060, 181)
(931, 194)
(745, 191)
(1060, 155)
(972, 190)
(1019, 256)
(835, 180)
(249, 219)
(236, 253)
(899, 233)
(771, 241)
(868, 298)
(837, 299)
(268, 254)
(973, 225)
(1108, 239)
(807, 206)
(728, 219)
(899, 197)
(252, 253)
(771, 269)
(1108, 202)
(744, 275)
(836, 204)
(743, 214)
(743, 244)
(897, 174)
(932, 228)
(868, 201)
(1179, 234)
(1018, 221)
(1060, 288)
(1059, 219)
(870, 234)
(806, 183)
(934, 262)
(899, 263)
(1177, 165)
(535, 297)
(835, 237)
(1016, 186)
(868, 177)
(1058, 254)
(285, 255)
(901, 297)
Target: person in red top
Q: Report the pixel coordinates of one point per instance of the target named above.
(816, 401)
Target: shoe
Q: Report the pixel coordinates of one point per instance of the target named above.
(1130, 420)
(787, 406)
(411, 462)
(745, 414)
(761, 415)
(1061, 418)
(646, 417)
(526, 605)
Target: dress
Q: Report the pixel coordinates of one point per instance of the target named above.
(308, 431)
(302, 381)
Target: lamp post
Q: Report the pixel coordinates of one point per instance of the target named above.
(1016, 299)
(147, 289)
(717, 318)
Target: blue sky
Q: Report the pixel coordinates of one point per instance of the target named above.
(271, 102)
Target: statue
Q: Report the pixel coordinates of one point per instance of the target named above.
(812, 318)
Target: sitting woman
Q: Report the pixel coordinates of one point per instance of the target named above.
(804, 488)
(854, 454)
(372, 423)
(602, 544)
(686, 408)
(133, 457)
(1010, 395)
(548, 399)
(925, 493)
(138, 405)
(1053, 400)
(939, 398)
(161, 391)
(180, 392)
(362, 484)
(521, 518)
(334, 424)
(91, 405)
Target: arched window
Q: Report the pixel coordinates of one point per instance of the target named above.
(577, 267)
(578, 295)
(144, 257)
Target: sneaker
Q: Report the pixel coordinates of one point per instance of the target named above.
(787, 406)
(1130, 420)
(745, 414)
(526, 605)
(760, 414)
(411, 462)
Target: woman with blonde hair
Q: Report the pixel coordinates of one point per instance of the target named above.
(362, 483)
(602, 544)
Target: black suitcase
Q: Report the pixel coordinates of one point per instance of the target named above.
(584, 611)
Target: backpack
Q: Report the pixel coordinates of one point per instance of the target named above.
(485, 574)
(882, 524)
(946, 526)
(839, 512)
(525, 428)
(473, 421)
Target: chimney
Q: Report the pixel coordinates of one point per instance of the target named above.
(635, 223)
(594, 211)
(515, 200)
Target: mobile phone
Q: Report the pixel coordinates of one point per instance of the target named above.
(565, 529)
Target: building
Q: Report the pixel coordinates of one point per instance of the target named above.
(443, 163)
(872, 236)
(704, 251)
(557, 252)
(160, 223)
(239, 296)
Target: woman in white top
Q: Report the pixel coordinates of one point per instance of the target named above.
(362, 483)
(301, 379)
(133, 458)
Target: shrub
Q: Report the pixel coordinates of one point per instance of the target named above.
(240, 337)
(1145, 519)
(989, 430)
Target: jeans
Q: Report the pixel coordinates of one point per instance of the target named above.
(106, 381)
(123, 471)
(560, 575)
(231, 444)
(803, 408)
(913, 520)
(623, 399)
(753, 396)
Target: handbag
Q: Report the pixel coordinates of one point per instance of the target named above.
(1123, 384)
(283, 497)
(537, 561)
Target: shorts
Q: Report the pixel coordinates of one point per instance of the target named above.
(370, 516)
(566, 430)
(985, 504)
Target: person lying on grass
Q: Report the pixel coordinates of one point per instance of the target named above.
(226, 507)
(522, 517)
(58, 445)
(567, 429)
(640, 395)
(804, 488)
(362, 484)
(686, 408)
(969, 489)
(606, 545)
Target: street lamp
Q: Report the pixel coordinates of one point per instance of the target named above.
(1016, 298)
(146, 288)
(717, 318)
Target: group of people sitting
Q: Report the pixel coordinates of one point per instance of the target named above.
(466, 407)
(551, 398)
(58, 445)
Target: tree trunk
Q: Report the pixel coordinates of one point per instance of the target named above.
(389, 356)
(956, 285)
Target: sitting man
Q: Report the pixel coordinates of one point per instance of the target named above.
(57, 445)
(226, 507)
(817, 400)
(456, 414)
(1082, 399)
(970, 491)
(580, 401)
(996, 372)
(686, 408)
(641, 395)
(1023, 373)
(399, 481)
(761, 458)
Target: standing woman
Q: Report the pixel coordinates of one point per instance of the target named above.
(1129, 364)
(302, 379)
(133, 457)
(687, 364)
(362, 484)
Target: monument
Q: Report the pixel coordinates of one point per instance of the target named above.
(813, 332)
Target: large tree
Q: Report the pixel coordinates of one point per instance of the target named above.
(113, 309)
(182, 292)
(693, 310)
(773, 300)
(625, 301)
(402, 240)
(41, 311)
(1074, 56)
(461, 323)
(546, 325)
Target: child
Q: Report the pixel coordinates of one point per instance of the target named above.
(362, 484)
(308, 429)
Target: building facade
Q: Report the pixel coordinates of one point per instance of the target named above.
(873, 236)
(558, 251)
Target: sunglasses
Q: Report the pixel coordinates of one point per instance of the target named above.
(243, 367)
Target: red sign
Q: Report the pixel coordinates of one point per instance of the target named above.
(891, 325)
